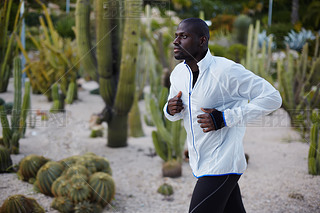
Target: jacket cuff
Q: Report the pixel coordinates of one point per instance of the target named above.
(218, 119)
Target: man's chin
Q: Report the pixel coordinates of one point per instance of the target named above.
(179, 57)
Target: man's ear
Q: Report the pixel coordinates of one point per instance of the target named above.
(203, 40)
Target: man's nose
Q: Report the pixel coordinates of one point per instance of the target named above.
(176, 41)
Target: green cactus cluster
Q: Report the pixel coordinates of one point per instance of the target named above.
(314, 150)
(56, 62)
(5, 159)
(29, 166)
(12, 133)
(80, 183)
(21, 203)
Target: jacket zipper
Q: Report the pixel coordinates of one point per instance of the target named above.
(190, 114)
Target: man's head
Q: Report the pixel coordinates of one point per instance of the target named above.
(191, 39)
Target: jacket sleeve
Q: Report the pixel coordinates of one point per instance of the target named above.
(172, 92)
(262, 98)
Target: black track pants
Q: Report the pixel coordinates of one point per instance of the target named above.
(217, 194)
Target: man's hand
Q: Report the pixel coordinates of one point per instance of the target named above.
(206, 121)
(211, 120)
(175, 104)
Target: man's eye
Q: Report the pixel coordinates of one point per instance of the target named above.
(184, 36)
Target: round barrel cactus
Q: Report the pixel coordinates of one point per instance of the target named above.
(79, 192)
(165, 189)
(47, 174)
(62, 204)
(69, 161)
(56, 184)
(77, 169)
(30, 165)
(21, 203)
(5, 159)
(103, 188)
(79, 178)
(87, 161)
(102, 165)
(64, 188)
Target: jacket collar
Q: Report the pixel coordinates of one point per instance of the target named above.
(204, 63)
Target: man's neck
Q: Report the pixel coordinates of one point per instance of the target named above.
(193, 62)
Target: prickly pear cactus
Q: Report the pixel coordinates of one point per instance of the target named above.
(5, 159)
(103, 187)
(47, 175)
(62, 204)
(21, 203)
(30, 165)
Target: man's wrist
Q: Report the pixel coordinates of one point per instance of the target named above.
(218, 120)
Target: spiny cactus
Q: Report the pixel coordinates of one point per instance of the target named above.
(62, 204)
(58, 103)
(47, 175)
(79, 192)
(102, 165)
(87, 162)
(165, 189)
(69, 161)
(114, 61)
(77, 169)
(314, 150)
(64, 189)
(56, 184)
(5, 159)
(30, 165)
(87, 207)
(103, 188)
(21, 203)
(12, 134)
(79, 178)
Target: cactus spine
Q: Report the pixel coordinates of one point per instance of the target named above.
(30, 165)
(103, 188)
(21, 203)
(116, 77)
(62, 204)
(11, 135)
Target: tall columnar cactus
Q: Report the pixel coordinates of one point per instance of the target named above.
(314, 150)
(13, 133)
(21, 203)
(169, 138)
(7, 42)
(5, 159)
(116, 77)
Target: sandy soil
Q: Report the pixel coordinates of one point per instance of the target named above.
(276, 180)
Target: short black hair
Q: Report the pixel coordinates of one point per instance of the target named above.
(200, 27)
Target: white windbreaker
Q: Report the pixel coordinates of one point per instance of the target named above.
(230, 88)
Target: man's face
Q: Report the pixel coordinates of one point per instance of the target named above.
(186, 43)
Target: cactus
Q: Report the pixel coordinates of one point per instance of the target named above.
(169, 138)
(58, 103)
(30, 165)
(71, 93)
(57, 61)
(56, 184)
(62, 204)
(47, 174)
(314, 150)
(116, 77)
(69, 161)
(21, 203)
(7, 42)
(11, 135)
(165, 189)
(79, 192)
(102, 165)
(87, 207)
(5, 159)
(77, 169)
(64, 189)
(103, 188)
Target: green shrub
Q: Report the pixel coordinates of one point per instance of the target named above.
(236, 52)
(217, 50)
(64, 26)
(241, 26)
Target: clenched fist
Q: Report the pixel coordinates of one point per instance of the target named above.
(175, 104)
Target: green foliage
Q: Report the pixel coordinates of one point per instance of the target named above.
(64, 26)
(56, 62)
(217, 50)
(279, 31)
(12, 133)
(21, 203)
(165, 189)
(30, 165)
(7, 52)
(236, 52)
(5, 159)
(222, 22)
(314, 150)
(241, 26)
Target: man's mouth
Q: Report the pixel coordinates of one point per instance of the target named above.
(175, 50)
